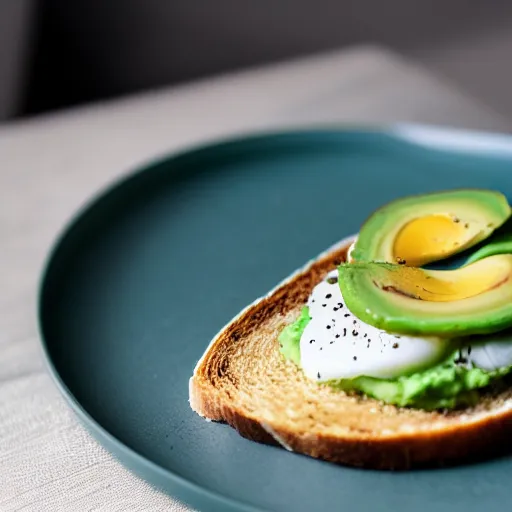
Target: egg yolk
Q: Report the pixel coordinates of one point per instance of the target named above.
(430, 238)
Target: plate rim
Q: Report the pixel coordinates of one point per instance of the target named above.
(184, 489)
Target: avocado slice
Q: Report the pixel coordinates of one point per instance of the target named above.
(499, 245)
(474, 299)
(416, 230)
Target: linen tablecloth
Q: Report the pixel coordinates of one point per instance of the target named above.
(51, 165)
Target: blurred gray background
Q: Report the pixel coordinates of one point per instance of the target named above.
(59, 53)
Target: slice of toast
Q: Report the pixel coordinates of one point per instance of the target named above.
(243, 380)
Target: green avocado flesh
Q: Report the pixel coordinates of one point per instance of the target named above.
(430, 227)
(444, 386)
(501, 244)
(289, 339)
(474, 299)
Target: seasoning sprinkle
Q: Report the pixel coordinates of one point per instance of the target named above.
(344, 331)
(328, 327)
(355, 358)
(328, 296)
(311, 341)
(335, 309)
(395, 345)
(365, 335)
(323, 305)
(318, 375)
(337, 336)
(332, 280)
(354, 333)
(346, 315)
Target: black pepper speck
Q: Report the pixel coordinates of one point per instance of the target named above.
(460, 359)
(328, 296)
(328, 327)
(311, 341)
(318, 375)
(355, 358)
(346, 315)
(344, 331)
(354, 333)
(395, 345)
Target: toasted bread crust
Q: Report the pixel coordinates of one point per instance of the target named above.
(362, 432)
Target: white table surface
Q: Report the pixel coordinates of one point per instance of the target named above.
(50, 166)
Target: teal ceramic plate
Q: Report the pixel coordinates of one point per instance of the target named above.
(153, 268)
